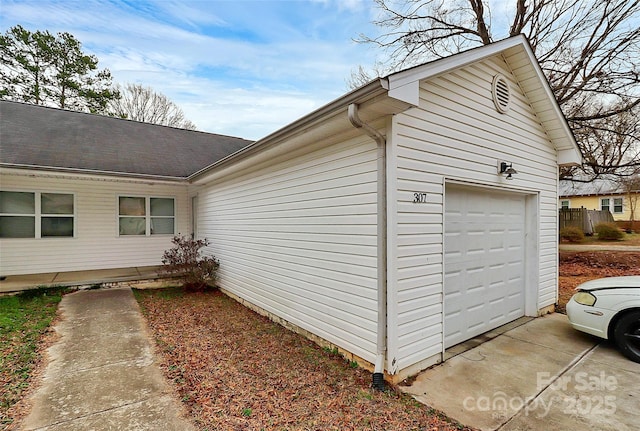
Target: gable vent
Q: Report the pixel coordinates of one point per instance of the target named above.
(501, 93)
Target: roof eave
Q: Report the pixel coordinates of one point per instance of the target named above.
(569, 153)
(404, 85)
(376, 88)
(77, 171)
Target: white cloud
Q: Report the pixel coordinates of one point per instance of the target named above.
(232, 72)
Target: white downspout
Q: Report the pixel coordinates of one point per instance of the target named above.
(381, 346)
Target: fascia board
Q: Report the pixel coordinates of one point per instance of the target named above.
(359, 95)
(86, 173)
(409, 92)
(443, 65)
(405, 85)
(569, 157)
(569, 138)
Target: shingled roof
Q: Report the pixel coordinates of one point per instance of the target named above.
(597, 187)
(33, 136)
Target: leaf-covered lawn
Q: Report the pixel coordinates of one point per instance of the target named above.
(24, 319)
(578, 267)
(237, 370)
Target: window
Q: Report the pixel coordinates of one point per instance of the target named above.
(146, 216)
(617, 205)
(564, 204)
(36, 215)
(605, 204)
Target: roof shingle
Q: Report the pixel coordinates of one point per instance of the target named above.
(38, 136)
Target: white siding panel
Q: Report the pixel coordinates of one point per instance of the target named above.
(97, 244)
(457, 134)
(297, 238)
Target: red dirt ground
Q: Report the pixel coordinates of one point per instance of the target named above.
(578, 267)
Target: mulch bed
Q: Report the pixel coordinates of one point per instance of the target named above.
(237, 370)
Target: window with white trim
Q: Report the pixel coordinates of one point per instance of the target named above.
(564, 204)
(617, 206)
(605, 204)
(138, 215)
(36, 214)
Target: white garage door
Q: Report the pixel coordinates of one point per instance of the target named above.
(484, 261)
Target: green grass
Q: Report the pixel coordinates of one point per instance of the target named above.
(24, 318)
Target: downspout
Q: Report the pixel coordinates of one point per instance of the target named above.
(381, 345)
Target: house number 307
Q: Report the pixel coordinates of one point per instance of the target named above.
(419, 198)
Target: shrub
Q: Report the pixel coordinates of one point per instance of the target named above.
(184, 260)
(571, 234)
(608, 231)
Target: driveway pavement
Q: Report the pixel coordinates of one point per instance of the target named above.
(102, 373)
(542, 375)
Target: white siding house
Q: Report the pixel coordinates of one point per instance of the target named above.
(298, 239)
(381, 223)
(308, 235)
(96, 242)
(84, 192)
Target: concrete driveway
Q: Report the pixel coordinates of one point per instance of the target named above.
(542, 375)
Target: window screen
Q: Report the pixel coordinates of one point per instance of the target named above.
(146, 216)
(36, 215)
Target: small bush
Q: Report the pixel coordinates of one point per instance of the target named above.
(608, 231)
(185, 261)
(571, 234)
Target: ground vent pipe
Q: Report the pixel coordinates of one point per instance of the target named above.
(381, 343)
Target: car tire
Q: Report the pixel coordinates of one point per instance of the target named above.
(626, 334)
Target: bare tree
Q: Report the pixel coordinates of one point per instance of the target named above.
(143, 104)
(611, 145)
(588, 50)
(631, 187)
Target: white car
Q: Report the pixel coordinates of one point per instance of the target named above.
(609, 308)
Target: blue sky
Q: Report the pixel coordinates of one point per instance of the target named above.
(242, 68)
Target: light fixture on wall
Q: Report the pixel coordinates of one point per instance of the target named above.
(505, 168)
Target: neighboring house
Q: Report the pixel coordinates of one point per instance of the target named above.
(602, 194)
(379, 223)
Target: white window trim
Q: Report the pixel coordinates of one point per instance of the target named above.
(568, 201)
(38, 214)
(621, 206)
(608, 204)
(147, 216)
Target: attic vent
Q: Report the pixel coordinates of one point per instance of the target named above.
(501, 93)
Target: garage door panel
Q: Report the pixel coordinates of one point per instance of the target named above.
(484, 261)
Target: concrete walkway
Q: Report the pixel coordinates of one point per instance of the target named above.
(102, 373)
(542, 375)
(145, 276)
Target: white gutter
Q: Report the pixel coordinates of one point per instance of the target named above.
(359, 95)
(81, 171)
(381, 343)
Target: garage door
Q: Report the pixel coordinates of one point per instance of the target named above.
(484, 261)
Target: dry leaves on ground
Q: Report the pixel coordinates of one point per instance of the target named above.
(237, 370)
(578, 267)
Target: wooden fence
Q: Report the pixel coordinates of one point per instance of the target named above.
(583, 218)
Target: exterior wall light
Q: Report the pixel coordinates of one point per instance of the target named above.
(505, 168)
